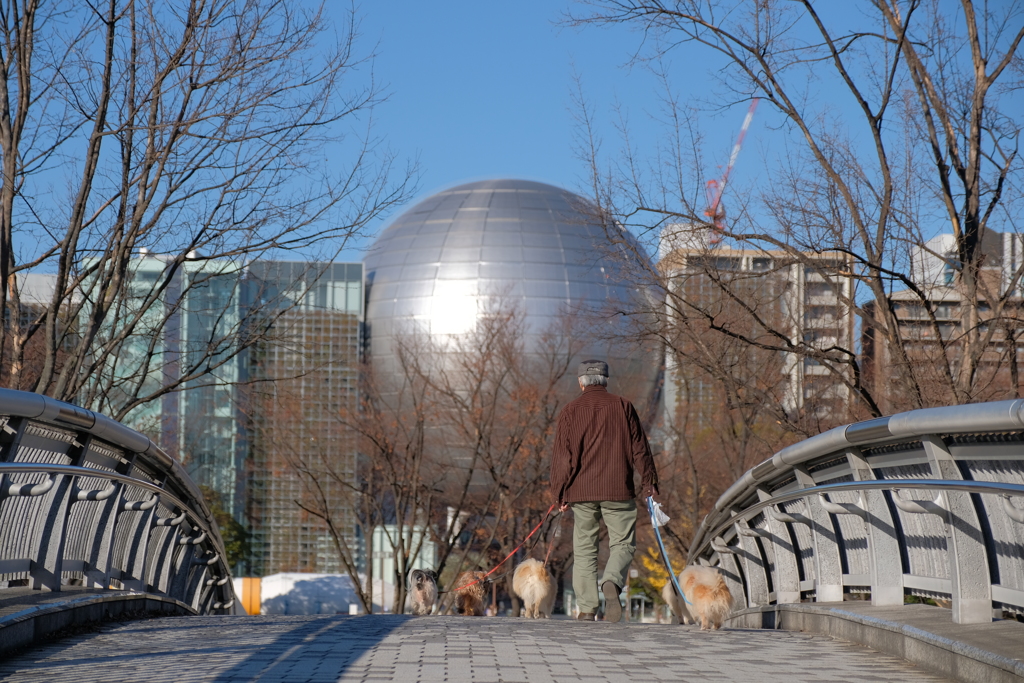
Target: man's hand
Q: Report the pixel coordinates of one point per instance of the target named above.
(563, 507)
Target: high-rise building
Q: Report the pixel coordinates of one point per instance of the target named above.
(770, 299)
(932, 329)
(306, 384)
(192, 326)
(936, 262)
(36, 292)
(251, 424)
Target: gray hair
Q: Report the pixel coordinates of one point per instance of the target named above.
(590, 380)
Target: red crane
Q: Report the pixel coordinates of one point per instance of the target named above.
(715, 211)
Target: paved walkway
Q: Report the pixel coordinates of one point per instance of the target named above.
(325, 649)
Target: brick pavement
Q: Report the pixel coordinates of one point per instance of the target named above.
(326, 649)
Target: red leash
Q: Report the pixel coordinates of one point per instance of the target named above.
(514, 551)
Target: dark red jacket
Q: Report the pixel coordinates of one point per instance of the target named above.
(599, 443)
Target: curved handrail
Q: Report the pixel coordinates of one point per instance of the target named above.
(191, 569)
(951, 543)
(995, 488)
(74, 471)
(996, 416)
(40, 408)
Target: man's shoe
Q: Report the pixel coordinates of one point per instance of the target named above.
(586, 616)
(612, 608)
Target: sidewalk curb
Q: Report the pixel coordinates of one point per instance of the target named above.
(30, 625)
(944, 656)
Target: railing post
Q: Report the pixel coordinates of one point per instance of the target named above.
(828, 580)
(192, 589)
(883, 543)
(137, 532)
(786, 580)
(753, 567)
(162, 563)
(182, 558)
(730, 570)
(49, 535)
(968, 561)
(96, 569)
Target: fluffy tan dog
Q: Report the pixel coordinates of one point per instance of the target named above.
(678, 607)
(532, 582)
(469, 600)
(710, 599)
(423, 591)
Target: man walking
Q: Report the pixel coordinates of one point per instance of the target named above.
(599, 443)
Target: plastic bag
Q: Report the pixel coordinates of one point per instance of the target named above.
(658, 518)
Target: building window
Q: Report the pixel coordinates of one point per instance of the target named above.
(949, 268)
(822, 289)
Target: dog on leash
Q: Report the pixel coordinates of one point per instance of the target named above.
(710, 599)
(469, 599)
(532, 582)
(423, 589)
(678, 607)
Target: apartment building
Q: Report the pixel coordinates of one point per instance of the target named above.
(733, 306)
(933, 327)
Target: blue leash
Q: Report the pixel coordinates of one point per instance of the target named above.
(664, 555)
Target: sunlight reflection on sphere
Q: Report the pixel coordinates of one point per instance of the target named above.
(434, 267)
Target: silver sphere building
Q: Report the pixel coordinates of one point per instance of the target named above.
(434, 268)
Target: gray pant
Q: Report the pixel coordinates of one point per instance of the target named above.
(620, 518)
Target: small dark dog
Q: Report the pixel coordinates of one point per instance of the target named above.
(423, 589)
(469, 599)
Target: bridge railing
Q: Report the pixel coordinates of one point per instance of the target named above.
(86, 501)
(927, 503)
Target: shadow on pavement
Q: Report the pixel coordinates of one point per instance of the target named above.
(324, 647)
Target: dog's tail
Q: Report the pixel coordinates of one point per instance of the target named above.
(717, 600)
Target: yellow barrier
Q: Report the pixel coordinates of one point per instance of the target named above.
(251, 595)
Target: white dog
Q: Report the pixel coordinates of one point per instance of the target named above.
(709, 596)
(534, 584)
(423, 589)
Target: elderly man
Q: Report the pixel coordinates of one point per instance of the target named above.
(599, 444)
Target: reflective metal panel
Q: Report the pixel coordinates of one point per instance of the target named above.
(525, 242)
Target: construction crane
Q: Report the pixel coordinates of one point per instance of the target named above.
(715, 188)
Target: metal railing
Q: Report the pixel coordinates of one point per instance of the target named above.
(927, 503)
(86, 501)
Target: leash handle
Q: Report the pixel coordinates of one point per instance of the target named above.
(661, 547)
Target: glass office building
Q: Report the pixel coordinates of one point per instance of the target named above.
(193, 315)
(297, 422)
(247, 426)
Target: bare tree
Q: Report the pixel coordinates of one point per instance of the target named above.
(454, 448)
(334, 495)
(189, 132)
(500, 389)
(919, 129)
(400, 474)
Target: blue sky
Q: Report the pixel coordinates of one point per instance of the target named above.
(483, 90)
